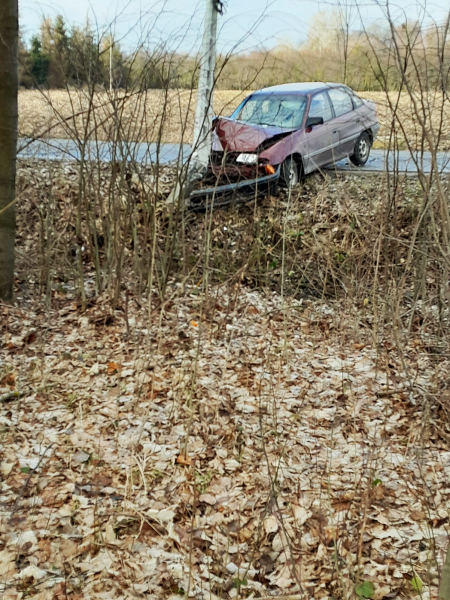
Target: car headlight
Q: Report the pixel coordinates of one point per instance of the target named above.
(247, 159)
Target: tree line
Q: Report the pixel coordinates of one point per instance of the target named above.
(377, 58)
(61, 56)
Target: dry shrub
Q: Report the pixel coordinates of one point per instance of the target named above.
(337, 236)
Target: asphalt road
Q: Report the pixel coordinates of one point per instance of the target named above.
(104, 151)
(402, 161)
(379, 160)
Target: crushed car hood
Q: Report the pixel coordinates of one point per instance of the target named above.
(235, 136)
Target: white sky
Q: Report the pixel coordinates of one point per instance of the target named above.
(246, 24)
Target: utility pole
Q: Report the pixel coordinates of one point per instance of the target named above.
(202, 138)
(204, 111)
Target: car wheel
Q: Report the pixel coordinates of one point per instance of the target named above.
(290, 173)
(362, 150)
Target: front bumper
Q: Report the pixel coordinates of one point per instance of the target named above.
(232, 193)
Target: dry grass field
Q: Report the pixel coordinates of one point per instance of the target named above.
(168, 117)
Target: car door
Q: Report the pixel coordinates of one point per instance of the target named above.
(346, 123)
(318, 140)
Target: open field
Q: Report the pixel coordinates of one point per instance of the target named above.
(168, 117)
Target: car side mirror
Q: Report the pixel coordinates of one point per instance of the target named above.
(313, 121)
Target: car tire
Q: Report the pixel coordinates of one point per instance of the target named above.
(362, 150)
(290, 173)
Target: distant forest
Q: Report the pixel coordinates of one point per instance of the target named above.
(62, 56)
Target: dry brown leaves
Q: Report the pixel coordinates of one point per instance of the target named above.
(269, 450)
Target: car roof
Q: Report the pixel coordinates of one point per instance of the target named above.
(300, 88)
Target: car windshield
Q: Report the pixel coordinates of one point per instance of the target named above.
(272, 110)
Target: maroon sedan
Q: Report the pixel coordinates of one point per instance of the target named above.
(280, 133)
(298, 126)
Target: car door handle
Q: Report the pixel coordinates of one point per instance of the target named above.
(334, 131)
(358, 120)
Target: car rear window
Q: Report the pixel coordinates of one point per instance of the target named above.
(272, 110)
(342, 103)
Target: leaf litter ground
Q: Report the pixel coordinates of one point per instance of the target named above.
(255, 447)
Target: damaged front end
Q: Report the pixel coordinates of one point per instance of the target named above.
(233, 167)
(236, 171)
(241, 186)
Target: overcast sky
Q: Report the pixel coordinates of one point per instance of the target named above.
(246, 23)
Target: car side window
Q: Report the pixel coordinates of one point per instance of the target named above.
(357, 102)
(320, 107)
(342, 103)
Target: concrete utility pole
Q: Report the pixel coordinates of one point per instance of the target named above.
(204, 111)
(202, 138)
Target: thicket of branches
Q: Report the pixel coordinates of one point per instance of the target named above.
(413, 58)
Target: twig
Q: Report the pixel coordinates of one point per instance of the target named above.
(291, 597)
(25, 485)
(11, 396)
(387, 393)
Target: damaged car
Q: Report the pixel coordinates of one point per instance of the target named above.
(279, 134)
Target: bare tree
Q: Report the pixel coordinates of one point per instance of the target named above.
(9, 33)
(346, 19)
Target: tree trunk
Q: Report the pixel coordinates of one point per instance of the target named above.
(9, 33)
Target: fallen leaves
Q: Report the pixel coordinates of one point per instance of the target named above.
(271, 524)
(282, 470)
(208, 499)
(29, 338)
(301, 515)
(99, 563)
(7, 562)
(80, 457)
(183, 459)
(9, 380)
(113, 368)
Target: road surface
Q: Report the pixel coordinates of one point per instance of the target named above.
(401, 161)
(104, 151)
(166, 153)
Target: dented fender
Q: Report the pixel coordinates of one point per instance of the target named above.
(280, 150)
